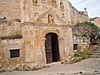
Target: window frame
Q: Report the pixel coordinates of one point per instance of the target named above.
(14, 53)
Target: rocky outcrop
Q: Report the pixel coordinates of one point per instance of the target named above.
(22, 67)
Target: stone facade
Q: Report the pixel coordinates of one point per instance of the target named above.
(24, 25)
(10, 9)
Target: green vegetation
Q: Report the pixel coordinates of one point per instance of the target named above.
(98, 28)
(89, 26)
(80, 55)
(86, 23)
(88, 29)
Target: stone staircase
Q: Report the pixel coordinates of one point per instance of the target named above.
(96, 52)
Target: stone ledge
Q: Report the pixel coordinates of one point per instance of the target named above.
(11, 37)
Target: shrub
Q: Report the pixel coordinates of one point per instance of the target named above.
(79, 55)
(87, 52)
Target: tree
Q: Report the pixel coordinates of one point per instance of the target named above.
(88, 29)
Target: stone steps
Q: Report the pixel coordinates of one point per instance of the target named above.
(95, 56)
(96, 53)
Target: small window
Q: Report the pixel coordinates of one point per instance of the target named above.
(14, 53)
(75, 46)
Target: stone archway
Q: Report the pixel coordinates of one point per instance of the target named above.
(52, 48)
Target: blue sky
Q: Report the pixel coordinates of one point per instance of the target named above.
(93, 6)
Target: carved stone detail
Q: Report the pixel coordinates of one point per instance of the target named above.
(50, 18)
(35, 2)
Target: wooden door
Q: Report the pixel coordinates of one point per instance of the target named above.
(55, 48)
(48, 48)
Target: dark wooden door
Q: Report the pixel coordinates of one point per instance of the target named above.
(55, 48)
(48, 48)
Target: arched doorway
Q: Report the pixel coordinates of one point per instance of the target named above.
(52, 48)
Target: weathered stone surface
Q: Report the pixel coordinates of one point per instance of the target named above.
(24, 25)
(10, 9)
(2, 69)
(10, 68)
(21, 67)
(10, 30)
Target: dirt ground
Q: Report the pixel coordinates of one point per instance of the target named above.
(88, 65)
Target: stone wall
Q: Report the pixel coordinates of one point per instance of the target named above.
(11, 44)
(96, 21)
(10, 29)
(10, 9)
(82, 42)
(3, 60)
(78, 16)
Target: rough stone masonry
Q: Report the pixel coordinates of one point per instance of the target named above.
(37, 31)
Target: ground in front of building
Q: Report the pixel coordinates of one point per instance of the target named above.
(90, 66)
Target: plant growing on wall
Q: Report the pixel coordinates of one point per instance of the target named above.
(80, 55)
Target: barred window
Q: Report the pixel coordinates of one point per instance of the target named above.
(14, 53)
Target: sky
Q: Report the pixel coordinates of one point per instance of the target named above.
(93, 6)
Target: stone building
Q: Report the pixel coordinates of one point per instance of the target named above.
(96, 21)
(80, 42)
(38, 31)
